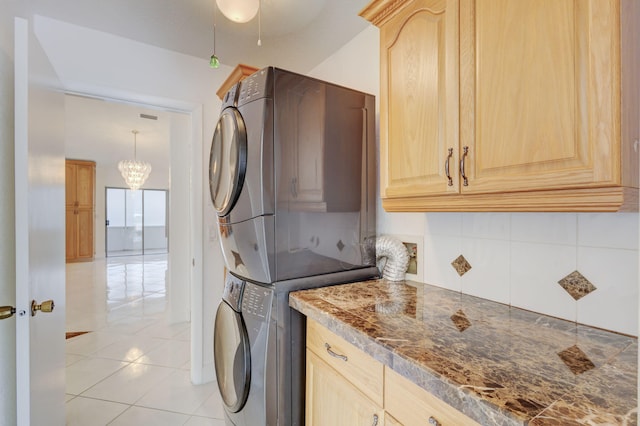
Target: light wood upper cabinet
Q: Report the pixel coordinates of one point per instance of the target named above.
(419, 99)
(535, 98)
(79, 203)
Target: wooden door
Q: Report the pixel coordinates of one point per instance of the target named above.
(85, 172)
(419, 100)
(70, 195)
(84, 226)
(79, 200)
(332, 401)
(71, 234)
(539, 94)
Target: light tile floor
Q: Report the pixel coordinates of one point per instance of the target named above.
(133, 367)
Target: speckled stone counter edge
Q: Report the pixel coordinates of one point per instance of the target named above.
(469, 403)
(478, 409)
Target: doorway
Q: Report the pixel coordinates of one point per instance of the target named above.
(136, 221)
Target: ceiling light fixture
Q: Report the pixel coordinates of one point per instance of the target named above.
(214, 62)
(259, 23)
(134, 172)
(239, 11)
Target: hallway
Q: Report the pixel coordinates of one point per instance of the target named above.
(132, 368)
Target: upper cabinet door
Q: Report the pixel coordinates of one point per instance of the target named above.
(508, 105)
(419, 99)
(539, 94)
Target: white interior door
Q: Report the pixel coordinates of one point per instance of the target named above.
(40, 234)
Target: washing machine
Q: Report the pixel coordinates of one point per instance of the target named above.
(292, 181)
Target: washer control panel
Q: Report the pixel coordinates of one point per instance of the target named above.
(257, 85)
(232, 293)
(256, 300)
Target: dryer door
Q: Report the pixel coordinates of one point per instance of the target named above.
(232, 357)
(228, 160)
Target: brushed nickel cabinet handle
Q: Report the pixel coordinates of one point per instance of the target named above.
(433, 421)
(465, 151)
(375, 420)
(446, 167)
(333, 354)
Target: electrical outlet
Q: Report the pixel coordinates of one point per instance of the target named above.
(412, 248)
(414, 245)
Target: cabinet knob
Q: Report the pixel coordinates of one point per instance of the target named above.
(375, 420)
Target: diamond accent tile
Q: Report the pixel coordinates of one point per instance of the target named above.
(576, 285)
(576, 360)
(460, 320)
(340, 245)
(461, 265)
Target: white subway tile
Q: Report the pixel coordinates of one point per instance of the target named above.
(439, 252)
(401, 223)
(489, 274)
(444, 224)
(611, 230)
(535, 272)
(486, 225)
(551, 228)
(614, 304)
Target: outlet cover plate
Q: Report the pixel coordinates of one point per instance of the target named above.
(417, 242)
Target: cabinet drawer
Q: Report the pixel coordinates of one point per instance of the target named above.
(412, 405)
(356, 366)
(331, 400)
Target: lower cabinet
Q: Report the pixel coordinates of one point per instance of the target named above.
(390, 421)
(347, 387)
(412, 405)
(344, 385)
(332, 400)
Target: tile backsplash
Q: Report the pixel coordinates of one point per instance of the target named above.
(523, 259)
(516, 258)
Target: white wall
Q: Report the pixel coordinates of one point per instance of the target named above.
(7, 234)
(104, 65)
(516, 258)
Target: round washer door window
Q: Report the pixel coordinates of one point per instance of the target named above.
(232, 357)
(227, 161)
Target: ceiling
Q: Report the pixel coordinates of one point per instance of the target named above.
(102, 131)
(290, 29)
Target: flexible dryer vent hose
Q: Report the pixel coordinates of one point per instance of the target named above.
(396, 255)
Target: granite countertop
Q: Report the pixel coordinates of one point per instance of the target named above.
(497, 364)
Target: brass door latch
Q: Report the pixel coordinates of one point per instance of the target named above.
(6, 312)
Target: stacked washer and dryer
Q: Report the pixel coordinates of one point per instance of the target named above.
(292, 178)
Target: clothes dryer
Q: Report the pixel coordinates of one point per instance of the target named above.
(292, 180)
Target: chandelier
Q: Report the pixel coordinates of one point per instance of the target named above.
(134, 172)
